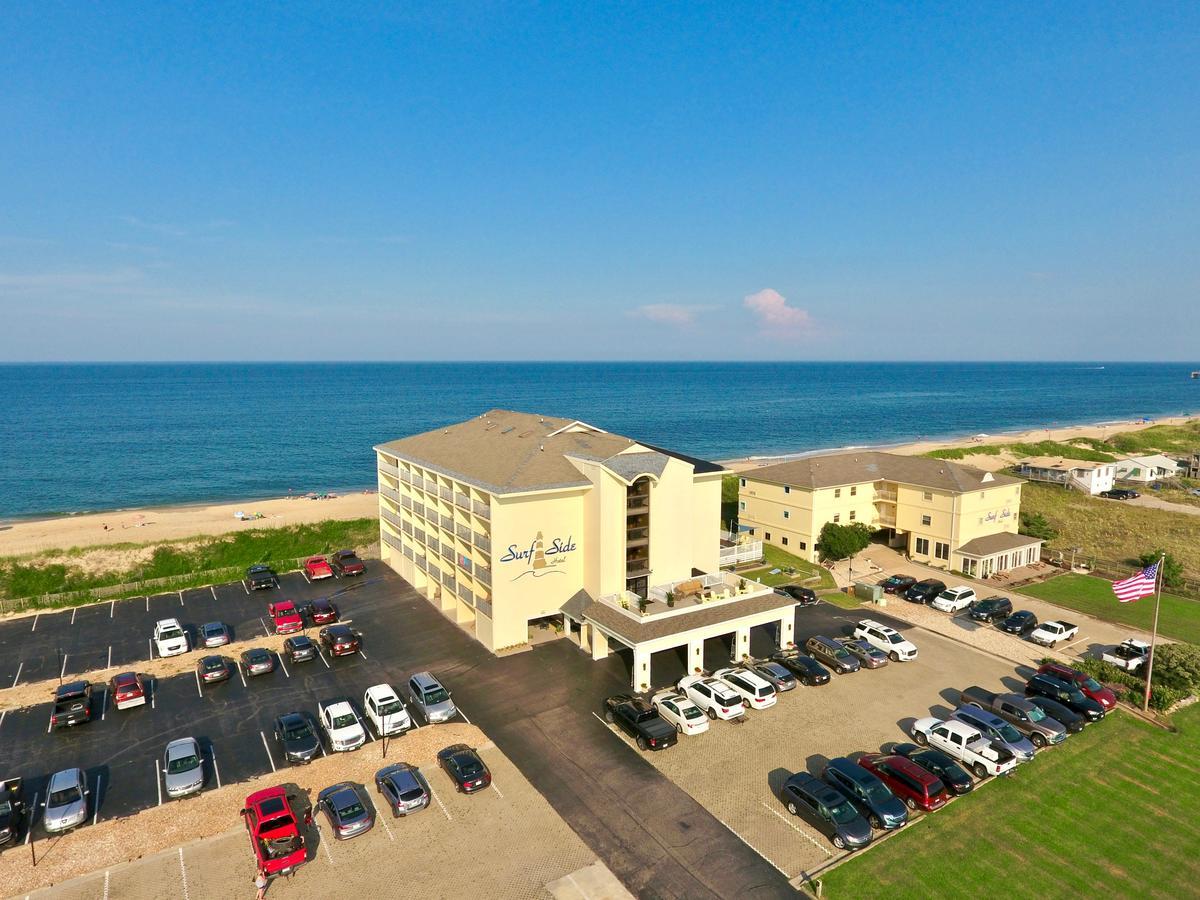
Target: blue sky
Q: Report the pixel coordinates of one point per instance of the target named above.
(599, 181)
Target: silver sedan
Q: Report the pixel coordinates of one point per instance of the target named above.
(183, 768)
(214, 634)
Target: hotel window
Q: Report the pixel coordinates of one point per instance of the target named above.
(837, 492)
(922, 546)
(853, 491)
(853, 515)
(928, 495)
(742, 505)
(926, 520)
(803, 546)
(941, 551)
(837, 518)
(784, 541)
(787, 514)
(743, 481)
(786, 489)
(767, 535)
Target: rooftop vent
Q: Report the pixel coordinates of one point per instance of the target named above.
(508, 429)
(987, 476)
(525, 433)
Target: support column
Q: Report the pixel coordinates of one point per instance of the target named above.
(787, 629)
(741, 644)
(641, 669)
(599, 643)
(695, 656)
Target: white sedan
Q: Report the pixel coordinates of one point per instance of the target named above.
(756, 692)
(680, 712)
(340, 723)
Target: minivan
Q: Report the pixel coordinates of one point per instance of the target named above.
(431, 698)
(827, 810)
(918, 788)
(832, 653)
(924, 591)
(882, 808)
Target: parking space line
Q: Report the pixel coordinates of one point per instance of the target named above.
(150, 644)
(306, 578)
(196, 672)
(463, 714)
(244, 588)
(181, 598)
(264, 625)
(363, 655)
(214, 591)
(63, 671)
(323, 659)
(267, 747)
(35, 618)
(241, 674)
(445, 812)
(147, 603)
(32, 815)
(216, 769)
(157, 781)
(17, 677)
(496, 789)
(321, 744)
(325, 844)
(50, 723)
(103, 703)
(3, 713)
(153, 691)
(282, 665)
(109, 656)
(112, 607)
(183, 874)
(96, 814)
(106, 884)
(74, 610)
(797, 829)
(383, 822)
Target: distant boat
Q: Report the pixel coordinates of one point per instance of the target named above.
(1196, 374)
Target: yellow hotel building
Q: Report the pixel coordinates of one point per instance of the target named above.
(513, 517)
(938, 512)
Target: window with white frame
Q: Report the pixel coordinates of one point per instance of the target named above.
(837, 518)
(854, 491)
(742, 505)
(853, 515)
(928, 495)
(941, 551)
(837, 492)
(926, 520)
(787, 514)
(921, 546)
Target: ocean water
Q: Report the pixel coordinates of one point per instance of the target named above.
(89, 437)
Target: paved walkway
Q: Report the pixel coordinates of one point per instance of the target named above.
(1156, 503)
(1095, 635)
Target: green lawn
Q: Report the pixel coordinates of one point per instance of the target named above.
(1179, 618)
(1110, 813)
(1084, 448)
(776, 558)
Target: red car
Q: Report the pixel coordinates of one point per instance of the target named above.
(285, 616)
(323, 611)
(339, 640)
(1087, 685)
(346, 562)
(317, 567)
(274, 831)
(918, 788)
(127, 690)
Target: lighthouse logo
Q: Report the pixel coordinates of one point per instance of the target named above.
(540, 558)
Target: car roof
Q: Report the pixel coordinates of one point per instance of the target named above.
(425, 679)
(825, 794)
(300, 639)
(851, 770)
(74, 687)
(338, 706)
(182, 747)
(871, 623)
(167, 623)
(381, 692)
(64, 778)
(259, 651)
(402, 775)
(123, 677)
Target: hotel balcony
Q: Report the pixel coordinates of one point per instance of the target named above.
(688, 594)
(483, 510)
(463, 531)
(738, 548)
(392, 541)
(885, 518)
(388, 469)
(484, 606)
(483, 575)
(390, 516)
(446, 522)
(445, 493)
(637, 505)
(637, 537)
(462, 501)
(390, 493)
(483, 542)
(885, 496)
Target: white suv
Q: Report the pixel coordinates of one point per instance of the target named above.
(169, 637)
(680, 712)
(715, 697)
(953, 599)
(756, 692)
(889, 640)
(341, 725)
(385, 710)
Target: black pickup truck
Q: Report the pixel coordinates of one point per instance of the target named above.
(12, 810)
(72, 704)
(640, 721)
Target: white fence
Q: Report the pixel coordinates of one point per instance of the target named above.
(744, 549)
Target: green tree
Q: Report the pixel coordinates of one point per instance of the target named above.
(1177, 666)
(1036, 525)
(1172, 573)
(840, 541)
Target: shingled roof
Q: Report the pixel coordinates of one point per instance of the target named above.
(855, 467)
(503, 452)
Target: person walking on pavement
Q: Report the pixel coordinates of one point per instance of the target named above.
(260, 882)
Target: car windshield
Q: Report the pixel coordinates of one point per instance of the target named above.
(5, 807)
(212, 629)
(168, 634)
(295, 732)
(1092, 684)
(467, 766)
(1010, 734)
(436, 695)
(895, 638)
(183, 764)
(389, 707)
(257, 656)
(412, 794)
(878, 792)
(344, 721)
(65, 796)
(841, 653)
(844, 813)
(1076, 696)
(1035, 714)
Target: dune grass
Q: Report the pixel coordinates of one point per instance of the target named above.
(1082, 448)
(1178, 618)
(1110, 813)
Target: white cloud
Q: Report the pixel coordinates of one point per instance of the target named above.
(773, 313)
(71, 281)
(668, 313)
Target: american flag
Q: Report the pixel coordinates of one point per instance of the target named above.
(1138, 585)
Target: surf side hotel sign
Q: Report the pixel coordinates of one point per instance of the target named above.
(540, 558)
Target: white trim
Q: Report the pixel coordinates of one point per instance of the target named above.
(571, 425)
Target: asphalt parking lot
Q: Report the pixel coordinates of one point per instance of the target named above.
(456, 847)
(736, 769)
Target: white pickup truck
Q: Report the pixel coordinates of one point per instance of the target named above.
(965, 744)
(1130, 655)
(1050, 633)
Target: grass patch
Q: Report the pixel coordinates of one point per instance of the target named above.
(1061, 821)
(1083, 448)
(1183, 438)
(1178, 617)
(845, 601)
(19, 577)
(1109, 529)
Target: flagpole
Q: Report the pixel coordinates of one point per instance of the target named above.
(1162, 564)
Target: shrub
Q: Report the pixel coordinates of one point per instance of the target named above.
(841, 541)
(1036, 525)
(1177, 666)
(1172, 572)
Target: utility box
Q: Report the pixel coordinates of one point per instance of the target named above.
(868, 592)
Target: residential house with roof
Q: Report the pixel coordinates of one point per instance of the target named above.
(511, 518)
(1077, 474)
(937, 511)
(1145, 469)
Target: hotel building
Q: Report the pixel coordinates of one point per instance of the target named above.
(940, 513)
(511, 518)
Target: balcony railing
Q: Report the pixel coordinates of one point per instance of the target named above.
(885, 519)
(407, 528)
(405, 476)
(450, 583)
(637, 504)
(446, 522)
(484, 606)
(421, 564)
(484, 575)
(393, 541)
(463, 531)
(419, 534)
(419, 509)
(886, 496)
(406, 502)
(388, 469)
(434, 572)
(483, 542)
(466, 595)
(390, 516)
(636, 569)
(483, 510)
(446, 550)
(462, 501)
(390, 493)
(445, 493)
(431, 485)
(408, 551)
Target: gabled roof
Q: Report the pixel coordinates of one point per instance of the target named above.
(1060, 464)
(1002, 542)
(858, 466)
(505, 452)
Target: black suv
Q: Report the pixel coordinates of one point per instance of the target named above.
(806, 669)
(1020, 622)
(924, 591)
(882, 808)
(827, 810)
(832, 653)
(297, 737)
(259, 577)
(804, 596)
(1119, 494)
(1067, 694)
(72, 704)
(991, 608)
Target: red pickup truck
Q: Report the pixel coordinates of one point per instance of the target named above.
(285, 616)
(274, 831)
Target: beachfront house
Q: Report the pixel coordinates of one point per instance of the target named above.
(512, 520)
(938, 512)
(1145, 469)
(1076, 474)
